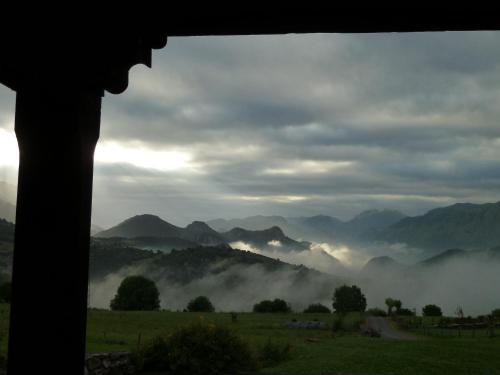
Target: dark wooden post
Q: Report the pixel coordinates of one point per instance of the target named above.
(57, 131)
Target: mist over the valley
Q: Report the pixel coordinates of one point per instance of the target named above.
(308, 271)
(230, 287)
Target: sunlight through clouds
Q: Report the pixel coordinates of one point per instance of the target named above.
(9, 152)
(113, 152)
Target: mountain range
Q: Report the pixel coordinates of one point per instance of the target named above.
(386, 265)
(149, 231)
(317, 228)
(462, 225)
(152, 228)
(235, 279)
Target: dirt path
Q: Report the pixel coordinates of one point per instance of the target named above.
(385, 329)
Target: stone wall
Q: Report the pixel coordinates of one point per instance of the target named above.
(114, 363)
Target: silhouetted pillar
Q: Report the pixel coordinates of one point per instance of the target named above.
(57, 131)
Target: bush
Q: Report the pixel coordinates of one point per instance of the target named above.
(276, 306)
(270, 354)
(347, 322)
(432, 310)
(375, 311)
(200, 304)
(352, 321)
(317, 308)
(197, 349)
(208, 349)
(348, 299)
(136, 293)
(153, 356)
(405, 312)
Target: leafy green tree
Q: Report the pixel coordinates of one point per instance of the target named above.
(397, 305)
(406, 312)
(200, 304)
(136, 293)
(317, 308)
(276, 306)
(390, 305)
(5, 292)
(348, 299)
(432, 310)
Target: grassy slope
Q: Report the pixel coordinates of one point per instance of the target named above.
(349, 353)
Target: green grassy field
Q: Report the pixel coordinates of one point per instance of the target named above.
(313, 351)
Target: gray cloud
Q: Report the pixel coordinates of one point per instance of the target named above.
(264, 118)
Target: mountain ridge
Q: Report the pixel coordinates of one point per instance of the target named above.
(461, 225)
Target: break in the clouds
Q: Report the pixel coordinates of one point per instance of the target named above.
(299, 124)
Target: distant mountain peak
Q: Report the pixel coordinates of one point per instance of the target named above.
(384, 259)
(199, 225)
(144, 225)
(445, 256)
(382, 263)
(461, 225)
(275, 230)
(144, 217)
(263, 238)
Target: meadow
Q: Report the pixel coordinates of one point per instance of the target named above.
(314, 351)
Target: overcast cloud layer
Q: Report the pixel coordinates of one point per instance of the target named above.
(299, 125)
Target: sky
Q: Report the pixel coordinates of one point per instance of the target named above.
(297, 125)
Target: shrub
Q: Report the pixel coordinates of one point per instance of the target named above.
(136, 293)
(197, 349)
(153, 356)
(347, 322)
(276, 306)
(200, 304)
(432, 310)
(348, 299)
(405, 312)
(271, 353)
(375, 311)
(208, 349)
(352, 321)
(317, 308)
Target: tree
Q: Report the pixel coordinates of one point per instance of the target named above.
(317, 308)
(136, 293)
(390, 304)
(200, 304)
(397, 305)
(432, 310)
(406, 312)
(276, 306)
(348, 298)
(5, 292)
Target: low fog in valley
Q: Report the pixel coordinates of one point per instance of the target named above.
(416, 276)
(366, 159)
